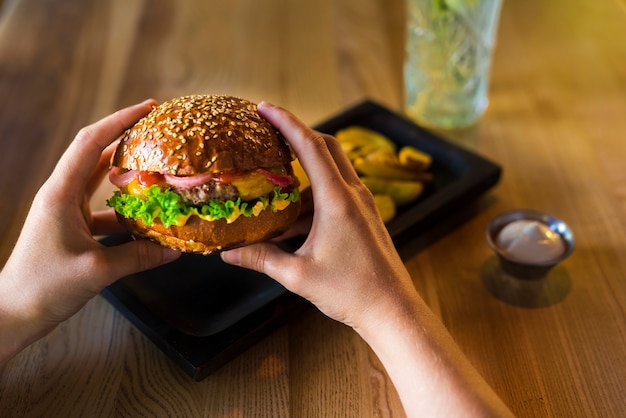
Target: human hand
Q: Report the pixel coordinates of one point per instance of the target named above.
(57, 265)
(348, 266)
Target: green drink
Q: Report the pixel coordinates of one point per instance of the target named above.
(448, 55)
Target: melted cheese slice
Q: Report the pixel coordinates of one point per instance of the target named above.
(135, 189)
(253, 185)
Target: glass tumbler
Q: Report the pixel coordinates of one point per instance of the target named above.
(448, 56)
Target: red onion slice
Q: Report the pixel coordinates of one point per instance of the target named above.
(121, 180)
(189, 181)
(282, 181)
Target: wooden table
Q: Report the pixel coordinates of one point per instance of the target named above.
(555, 123)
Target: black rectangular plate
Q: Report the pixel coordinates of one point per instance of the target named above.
(202, 312)
(460, 175)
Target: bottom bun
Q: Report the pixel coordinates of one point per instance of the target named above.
(203, 237)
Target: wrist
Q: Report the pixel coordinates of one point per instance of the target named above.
(396, 309)
(392, 324)
(20, 324)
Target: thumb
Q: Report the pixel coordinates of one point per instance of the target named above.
(262, 257)
(136, 256)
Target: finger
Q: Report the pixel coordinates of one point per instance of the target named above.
(309, 145)
(262, 257)
(341, 159)
(135, 256)
(85, 151)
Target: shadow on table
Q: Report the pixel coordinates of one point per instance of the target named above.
(539, 293)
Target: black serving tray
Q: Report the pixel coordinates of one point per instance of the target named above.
(460, 175)
(202, 312)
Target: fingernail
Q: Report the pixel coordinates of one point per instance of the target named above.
(265, 104)
(231, 257)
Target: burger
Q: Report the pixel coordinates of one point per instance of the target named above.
(203, 173)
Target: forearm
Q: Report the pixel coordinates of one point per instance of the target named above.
(14, 336)
(20, 325)
(431, 374)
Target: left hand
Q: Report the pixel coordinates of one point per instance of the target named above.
(57, 265)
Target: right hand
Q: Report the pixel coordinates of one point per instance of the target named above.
(348, 266)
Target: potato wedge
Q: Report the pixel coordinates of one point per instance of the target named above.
(414, 159)
(395, 178)
(402, 192)
(358, 141)
(386, 157)
(376, 168)
(348, 147)
(386, 206)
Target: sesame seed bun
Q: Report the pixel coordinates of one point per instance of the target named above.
(200, 136)
(203, 237)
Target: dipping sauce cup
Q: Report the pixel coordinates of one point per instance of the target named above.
(527, 267)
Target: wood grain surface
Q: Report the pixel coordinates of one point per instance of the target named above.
(555, 123)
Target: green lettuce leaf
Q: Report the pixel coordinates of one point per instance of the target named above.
(168, 207)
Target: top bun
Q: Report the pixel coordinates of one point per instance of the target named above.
(201, 134)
